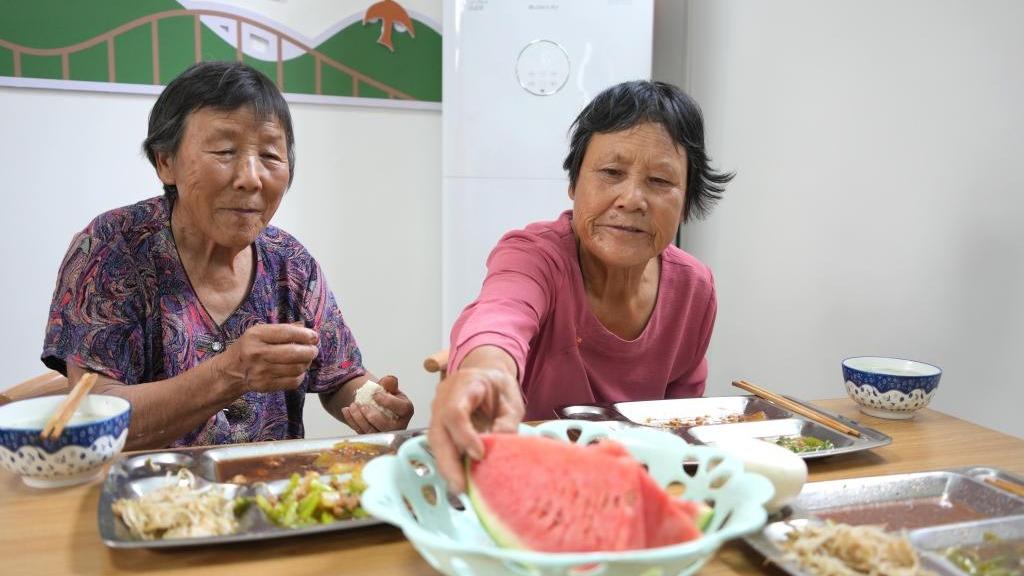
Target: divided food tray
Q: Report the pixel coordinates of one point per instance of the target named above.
(937, 511)
(137, 474)
(708, 420)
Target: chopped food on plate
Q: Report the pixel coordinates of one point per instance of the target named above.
(800, 444)
(992, 557)
(831, 549)
(314, 499)
(178, 510)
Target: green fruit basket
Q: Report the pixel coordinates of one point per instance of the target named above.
(405, 490)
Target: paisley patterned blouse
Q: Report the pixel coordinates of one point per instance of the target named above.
(125, 308)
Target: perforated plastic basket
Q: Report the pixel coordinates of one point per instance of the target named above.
(452, 540)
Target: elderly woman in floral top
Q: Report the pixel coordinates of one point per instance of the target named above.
(213, 324)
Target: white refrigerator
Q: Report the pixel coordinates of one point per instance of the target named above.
(516, 73)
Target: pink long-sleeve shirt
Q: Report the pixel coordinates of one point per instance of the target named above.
(533, 305)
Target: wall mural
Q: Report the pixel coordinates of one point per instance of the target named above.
(377, 53)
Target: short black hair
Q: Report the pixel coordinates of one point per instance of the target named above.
(629, 104)
(222, 86)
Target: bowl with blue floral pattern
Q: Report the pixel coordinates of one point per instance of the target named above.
(891, 388)
(93, 436)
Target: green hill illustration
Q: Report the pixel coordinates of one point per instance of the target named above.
(382, 53)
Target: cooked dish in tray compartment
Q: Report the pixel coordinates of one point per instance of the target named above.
(905, 514)
(313, 499)
(990, 548)
(826, 548)
(177, 506)
(804, 444)
(228, 465)
(795, 434)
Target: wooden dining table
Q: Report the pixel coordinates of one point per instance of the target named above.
(55, 531)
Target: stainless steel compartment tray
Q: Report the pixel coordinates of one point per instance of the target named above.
(135, 474)
(947, 486)
(700, 421)
(998, 506)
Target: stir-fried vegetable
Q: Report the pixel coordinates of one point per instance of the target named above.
(993, 557)
(312, 499)
(804, 443)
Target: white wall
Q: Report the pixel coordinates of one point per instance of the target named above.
(365, 201)
(668, 63)
(66, 157)
(880, 193)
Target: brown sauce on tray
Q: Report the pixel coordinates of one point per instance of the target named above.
(342, 458)
(904, 514)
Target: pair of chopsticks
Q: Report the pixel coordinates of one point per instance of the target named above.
(55, 425)
(800, 409)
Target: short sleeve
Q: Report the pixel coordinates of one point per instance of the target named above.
(94, 320)
(522, 277)
(339, 359)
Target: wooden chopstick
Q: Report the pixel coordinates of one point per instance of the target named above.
(55, 425)
(47, 384)
(436, 362)
(792, 406)
(1011, 487)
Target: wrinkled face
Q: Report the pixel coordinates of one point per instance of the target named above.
(628, 199)
(231, 172)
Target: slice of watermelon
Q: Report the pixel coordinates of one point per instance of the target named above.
(541, 494)
(667, 520)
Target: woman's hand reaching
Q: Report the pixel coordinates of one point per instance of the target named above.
(483, 395)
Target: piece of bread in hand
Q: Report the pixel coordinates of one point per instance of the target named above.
(364, 397)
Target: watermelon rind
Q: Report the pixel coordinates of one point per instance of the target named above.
(495, 528)
(703, 518)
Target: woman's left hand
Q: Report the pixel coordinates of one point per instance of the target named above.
(369, 419)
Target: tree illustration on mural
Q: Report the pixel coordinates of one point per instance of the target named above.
(392, 17)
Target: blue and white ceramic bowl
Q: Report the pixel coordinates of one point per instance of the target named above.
(890, 387)
(93, 436)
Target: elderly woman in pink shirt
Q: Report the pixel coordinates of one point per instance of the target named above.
(598, 305)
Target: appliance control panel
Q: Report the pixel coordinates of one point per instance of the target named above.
(542, 67)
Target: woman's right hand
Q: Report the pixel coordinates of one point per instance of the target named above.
(470, 400)
(268, 358)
